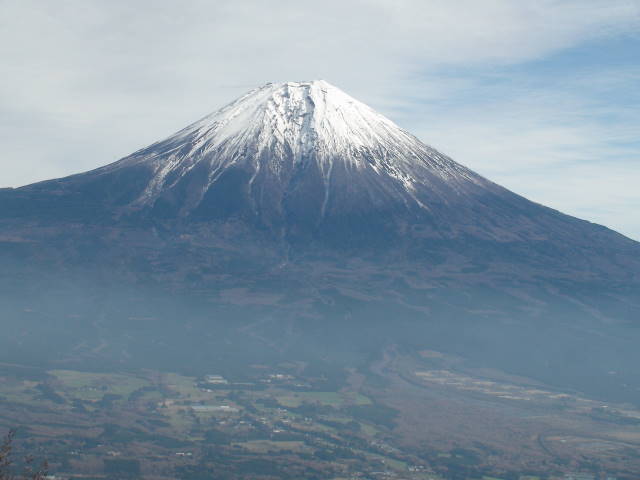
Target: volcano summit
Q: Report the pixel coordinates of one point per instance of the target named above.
(305, 147)
(329, 219)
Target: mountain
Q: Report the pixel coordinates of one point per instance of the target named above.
(294, 220)
(299, 157)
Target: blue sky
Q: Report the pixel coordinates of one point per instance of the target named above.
(542, 97)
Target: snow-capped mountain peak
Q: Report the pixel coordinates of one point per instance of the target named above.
(301, 116)
(282, 132)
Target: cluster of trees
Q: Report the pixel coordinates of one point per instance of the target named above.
(29, 470)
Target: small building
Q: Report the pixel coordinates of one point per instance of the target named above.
(579, 476)
(215, 379)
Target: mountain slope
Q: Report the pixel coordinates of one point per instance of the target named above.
(306, 216)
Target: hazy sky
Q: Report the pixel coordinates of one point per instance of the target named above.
(540, 96)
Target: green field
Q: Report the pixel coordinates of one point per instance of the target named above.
(266, 446)
(331, 399)
(93, 386)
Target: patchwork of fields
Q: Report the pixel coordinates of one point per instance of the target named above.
(410, 417)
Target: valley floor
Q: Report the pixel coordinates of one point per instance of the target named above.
(422, 416)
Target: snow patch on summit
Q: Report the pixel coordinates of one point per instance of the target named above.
(276, 128)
